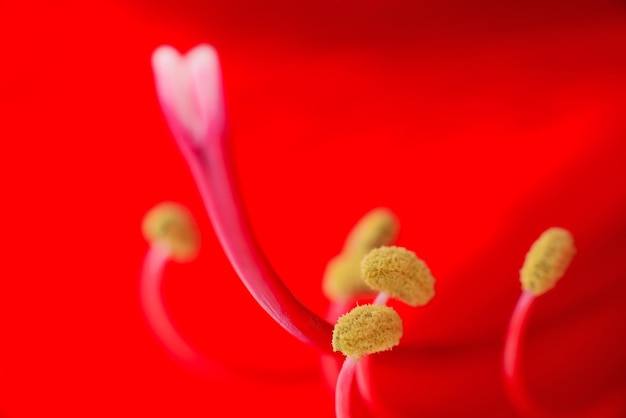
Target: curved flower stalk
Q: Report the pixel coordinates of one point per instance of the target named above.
(190, 92)
(195, 114)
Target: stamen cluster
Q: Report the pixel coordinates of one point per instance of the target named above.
(368, 261)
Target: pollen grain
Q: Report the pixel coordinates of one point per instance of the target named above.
(378, 227)
(547, 260)
(342, 278)
(173, 225)
(367, 329)
(399, 273)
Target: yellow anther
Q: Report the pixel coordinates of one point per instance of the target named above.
(378, 227)
(342, 278)
(173, 225)
(399, 273)
(367, 329)
(547, 260)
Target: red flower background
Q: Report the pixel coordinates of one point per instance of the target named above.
(479, 123)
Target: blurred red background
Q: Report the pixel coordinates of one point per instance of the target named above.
(433, 110)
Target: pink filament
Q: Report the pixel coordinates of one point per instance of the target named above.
(211, 168)
(512, 357)
(611, 406)
(156, 316)
(344, 386)
(347, 374)
(158, 319)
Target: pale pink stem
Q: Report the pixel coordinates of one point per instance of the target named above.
(512, 357)
(611, 406)
(210, 166)
(364, 388)
(151, 299)
(344, 388)
(212, 172)
(155, 314)
(347, 373)
(233, 231)
(381, 299)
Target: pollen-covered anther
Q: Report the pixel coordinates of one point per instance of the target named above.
(547, 260)
(367, 329)
(342, 278)
(172, 224)
(399, 273)
(378, 227)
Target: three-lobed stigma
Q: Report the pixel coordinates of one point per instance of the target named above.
(547, 260)
(173, 225)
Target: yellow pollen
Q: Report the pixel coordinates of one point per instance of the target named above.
(378, 227)
(342, 278)
(547, 260)
(174, 225)
(399, 273)
(366, 330)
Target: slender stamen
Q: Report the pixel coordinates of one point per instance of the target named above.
(545, 263)
(151, 301)
(344, 388)
(211, 167)
(149, 291)
(173, 235)
(613, 405)
(342, 281)
(365, 330)
(361, 332)
(512, 357)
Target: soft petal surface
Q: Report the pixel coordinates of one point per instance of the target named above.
(479, 123)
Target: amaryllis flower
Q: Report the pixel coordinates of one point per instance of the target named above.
(509, 148)
(478, 124)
